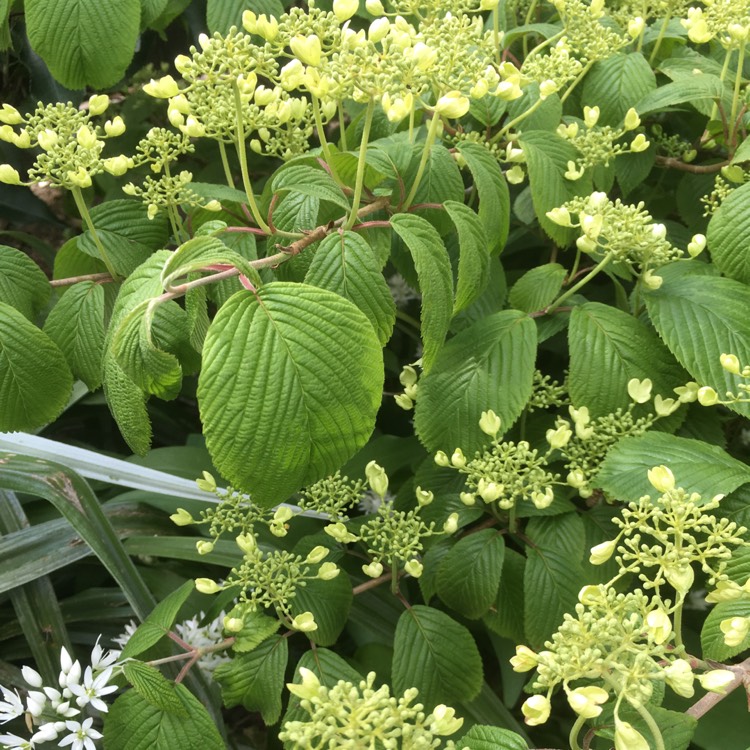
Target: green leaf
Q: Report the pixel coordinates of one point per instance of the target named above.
(547, 157)
(700, 317)
(255, 680)
(346, 264)
(494, 198)
(742, 154)
(23, 284)
(158, 623)
(435, 279)
(469, 575)
(35, 380)
(617, 84)
(306, 180)
(553, 575)
(152, 685)
(537, 288)
(696, 465)
(294, 367)
(726, 235)
(712, 639)
(134, 724)
(436, 655)
(221, 15)
(491, 738)
(695, 89)
(76, 325)
(257, 627)
(474, 259)
(151, 10)
(330, 602)
(608, 347)
(506, 617)
(489, 365)
(84, 42)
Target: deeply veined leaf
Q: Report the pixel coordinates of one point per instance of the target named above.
(435, 279)
(76, 325)
(608, 348)
(537, 288)
(553, 575)
(617, 84)
(712, 638)
(256, 680)
(152, 685)
(436, 655)
(494, 197)
(84, 42)
(301, 178)
(492, 738)
(221, 15)
(547, 157)
(696, 465)
(294, 367)
(346, 264)
(133, 723)
(727, 235)
(23, 284)
(473, 259)
(700, 317)
(702, 88)
(489, 365)
(469, 575)
(35, 380)
(151, 10)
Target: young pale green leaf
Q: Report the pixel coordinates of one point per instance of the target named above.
(494, 197)
(301, 178)
(553, 575)
(489, 365)
(473, 259)
(700, 317)
(200, 252)
(133, 723)
(330, 602)
(436, 655)
(35, 380)
(221, 15)
(158, 623)
(712, 638)
(294, 368)
(469, 575)
(346, 264)
(76, 325)
(435, 280)
(255, 680)
(537, 288)
(23, 284)
(617, 84)
(547, 157)
(491, 738)
(727, 235)
(257, 627)
(152, 685)
(696, 465)
(608, 348)
(695, 89)
(84, 42)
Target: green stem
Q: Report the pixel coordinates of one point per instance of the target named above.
(736, 94)
(496, 34)
(678, 624)
(652, 725)
(509, 126)
(431, 135)
(575, 731)
(323, 140)
(242, 155)
(579, 78)
(360, 178)
(576, 263)
(173, 223)
(722, 76)
(660, 38)
(585, 280)
(342, 127)
(225, 164)
(86, 216)
(527, 21)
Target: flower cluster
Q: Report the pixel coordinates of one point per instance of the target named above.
(590, 39)
(724, 20)
(409, 379)
(55, 712)
(333, 496)
(348, 715)
(545, 393)
(70, 143)
(505, 472)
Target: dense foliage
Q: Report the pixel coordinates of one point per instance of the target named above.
(445, 305)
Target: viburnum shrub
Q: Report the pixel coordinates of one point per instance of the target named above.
(455, 295)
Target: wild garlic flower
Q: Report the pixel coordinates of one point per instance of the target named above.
(348, 715)
(71, 144)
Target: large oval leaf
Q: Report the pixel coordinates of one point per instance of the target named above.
(727, 235)
(294, 368)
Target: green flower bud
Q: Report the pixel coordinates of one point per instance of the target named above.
(458, 460)
(207, 484)
(697, 245)
(204, 547)
(536, 709)
(247, 543)
(639, 144)
(307, 49)
(441, 458)
(309, 688)
(640, 390)
(444, 721)
(80, 178)
(114, 127)
(328, 571)
(632, 121)
(547, 88)
(340, 533)
(726, 591)
(586, 701)
(707, 396)
(305, 622)
(560, 437)
(404, 401)
(86, 137)
(181, 518)
(451, 524)
(117, 165)
(635, 27)
(424, 497)
(207, 586)
(377, 478)
(345, 9)
(452, 105)
(651, 280)
(489, 423)
(316, 554)
(730, 363)
(600, 553)
(687, 393)
(717, 680)
(560, 216)
(47, 139)
(735, 629)
(373, 570)
(679, 676)
(98, 104)
(374, 7)
(680, 577)
(661, 478)
(164, 88)
(590, 116)
(627, 737)
(9, 175)
(468, 498)
(659, 625)
(193, 128)
(378, 30)
(233, 624)
(525, 659)
(414, 568)
(10, 115)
